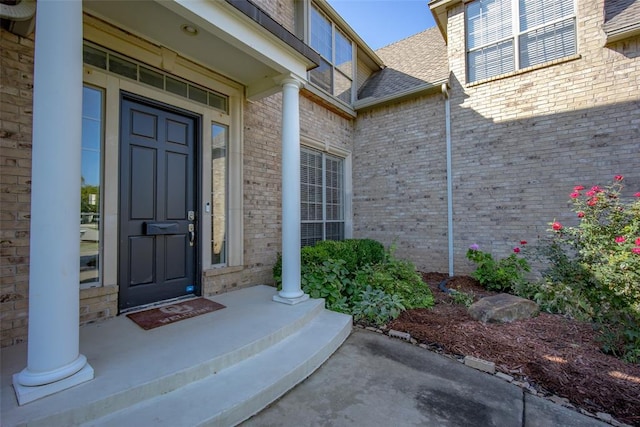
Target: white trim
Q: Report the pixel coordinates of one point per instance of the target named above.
(113, 85)
(347, 157)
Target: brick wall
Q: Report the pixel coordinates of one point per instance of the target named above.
(262, 183)
(16, 83)
(519, 145)
(282, 11)
(399, 180)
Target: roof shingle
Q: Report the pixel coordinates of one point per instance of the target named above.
(621, 17)
(410, 63)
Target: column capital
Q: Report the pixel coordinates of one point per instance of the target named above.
(289, 80)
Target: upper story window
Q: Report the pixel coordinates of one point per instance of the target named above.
(335, 73)
(508, 35)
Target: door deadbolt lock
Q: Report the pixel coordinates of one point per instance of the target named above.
(191, 215)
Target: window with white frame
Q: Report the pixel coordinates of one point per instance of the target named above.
(335, 73)
(322, 187)
(508, 35)
(91, 184)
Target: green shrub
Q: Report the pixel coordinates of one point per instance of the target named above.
(594, 268)
(462, 298)
(376, 307)
(327, 280)
(341, 271)
(356, 253)
(502, 275)
(397, 277)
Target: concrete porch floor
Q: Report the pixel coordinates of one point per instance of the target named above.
(215, 369)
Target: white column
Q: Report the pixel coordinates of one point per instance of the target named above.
(291, 292)
(54, 362)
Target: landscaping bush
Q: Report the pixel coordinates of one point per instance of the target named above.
(377, 307)
(504, 274)
(359, 277)
(594, 268)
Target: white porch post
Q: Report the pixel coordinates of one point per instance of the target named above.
(291, 292)
(54, 362)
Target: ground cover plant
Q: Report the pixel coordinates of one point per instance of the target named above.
(360, 277)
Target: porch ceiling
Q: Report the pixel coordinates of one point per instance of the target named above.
(228, 41)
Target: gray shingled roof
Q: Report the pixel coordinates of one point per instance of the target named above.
(410, 63)
(621, 17)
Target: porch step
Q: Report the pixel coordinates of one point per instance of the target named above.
(242, 390)
(253, 339)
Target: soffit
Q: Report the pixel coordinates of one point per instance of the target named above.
(228, 41)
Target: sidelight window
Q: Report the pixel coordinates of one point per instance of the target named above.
(91, 179)
(219, 189)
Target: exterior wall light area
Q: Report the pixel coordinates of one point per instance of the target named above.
(189, 30)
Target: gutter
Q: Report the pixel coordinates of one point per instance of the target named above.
(422, 89)
(20, 17)
(622, 33)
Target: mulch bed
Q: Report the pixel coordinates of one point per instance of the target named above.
(555, 355)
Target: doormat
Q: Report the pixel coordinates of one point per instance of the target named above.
(156, 317)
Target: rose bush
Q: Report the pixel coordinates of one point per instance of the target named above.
(594, 268)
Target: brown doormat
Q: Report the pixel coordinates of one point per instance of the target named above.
(155, 317)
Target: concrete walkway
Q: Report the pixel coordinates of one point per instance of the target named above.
(374, 380)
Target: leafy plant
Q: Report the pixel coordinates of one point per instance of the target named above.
(504, 274)
(327, 280)
(340, 272)
(594, 268)
(397, 277)
(376, 307)
(462, 298)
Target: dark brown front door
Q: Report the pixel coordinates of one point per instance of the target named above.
(157, 240)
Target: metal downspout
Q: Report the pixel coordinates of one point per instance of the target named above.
(447, 110)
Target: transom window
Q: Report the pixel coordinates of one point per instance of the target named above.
(335, 73)
(322, 197)
(508, 35)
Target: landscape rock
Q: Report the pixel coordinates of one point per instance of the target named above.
(503, 308)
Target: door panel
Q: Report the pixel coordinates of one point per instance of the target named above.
(157, 254)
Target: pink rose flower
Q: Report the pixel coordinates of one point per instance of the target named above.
(636, 251)
(596, 189)
(578, 188)
(591, 193)
(638, 241)
(580, 214)
(592, 201)
(524, 242)
(618, 177)
(556, 226)
(574, 195)
(620, 239)
(637, 194)
(516, 250)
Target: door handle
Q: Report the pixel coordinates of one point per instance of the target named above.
(192, 234)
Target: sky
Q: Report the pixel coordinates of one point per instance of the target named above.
(382, 22)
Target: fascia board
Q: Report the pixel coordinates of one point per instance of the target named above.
(236, 29)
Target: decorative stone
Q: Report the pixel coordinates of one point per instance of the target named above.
(505, 377)
(480, 364)
(503, 308)
(398, 334)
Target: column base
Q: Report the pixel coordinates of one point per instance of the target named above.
(291, 301)
(26, 394)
